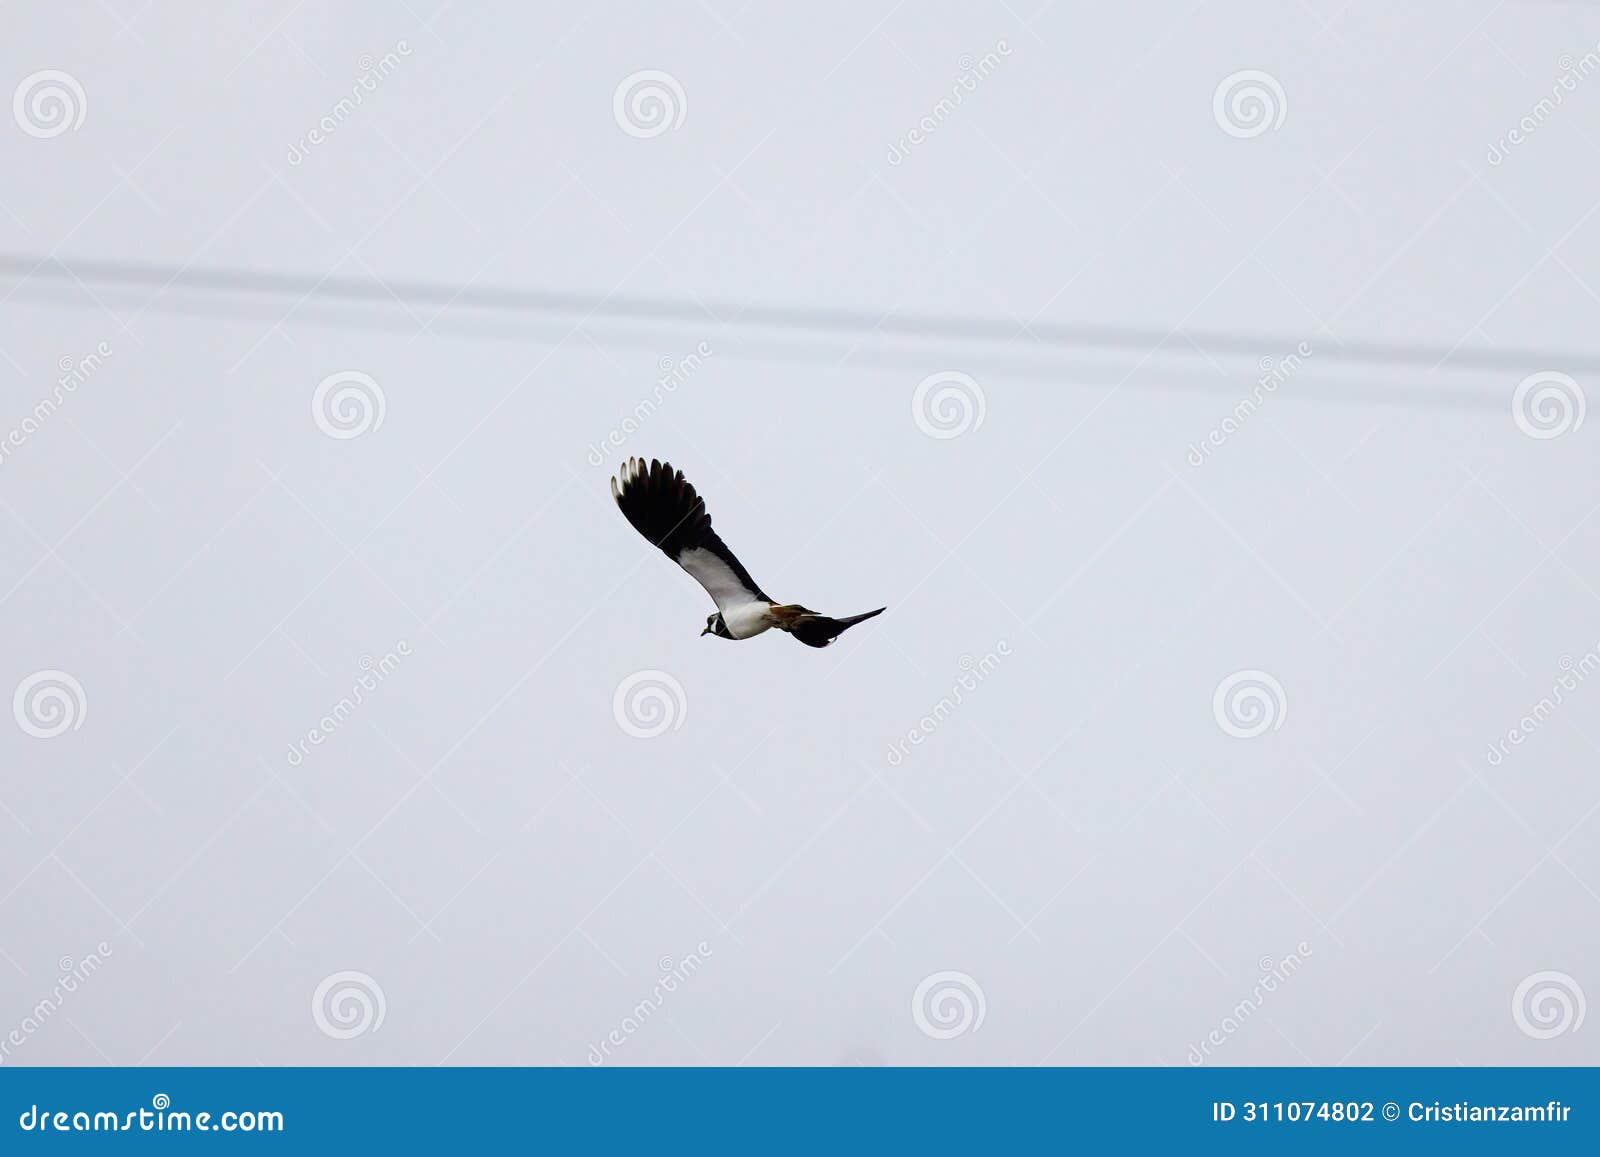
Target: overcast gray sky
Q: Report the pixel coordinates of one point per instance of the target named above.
(1161, 370)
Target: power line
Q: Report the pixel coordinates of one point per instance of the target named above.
(1040, 336)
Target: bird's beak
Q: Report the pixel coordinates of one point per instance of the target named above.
(707, 631)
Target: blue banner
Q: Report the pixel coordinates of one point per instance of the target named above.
(1284, 1111)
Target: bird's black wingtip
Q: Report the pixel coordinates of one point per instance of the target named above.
(636, 471)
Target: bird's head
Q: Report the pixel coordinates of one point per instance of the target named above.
(713, 624)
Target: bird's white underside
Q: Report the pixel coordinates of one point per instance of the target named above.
(749, 619)
(744, 612)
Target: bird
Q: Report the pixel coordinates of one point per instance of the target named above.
(663, 506)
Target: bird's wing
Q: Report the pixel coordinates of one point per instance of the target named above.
(663, 506)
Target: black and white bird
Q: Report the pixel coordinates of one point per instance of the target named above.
(664, 507)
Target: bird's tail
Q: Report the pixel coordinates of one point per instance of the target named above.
(816, 630)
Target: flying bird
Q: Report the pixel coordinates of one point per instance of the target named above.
(663, 506)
